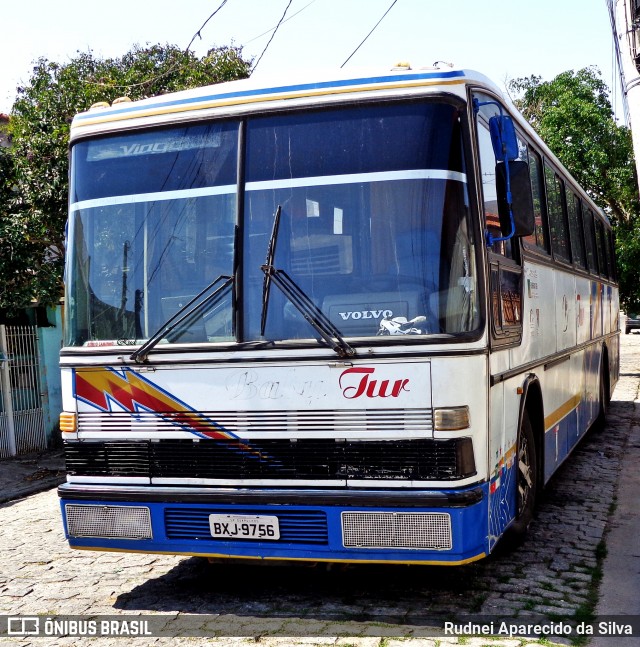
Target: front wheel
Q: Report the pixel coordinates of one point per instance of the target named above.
(526, 478)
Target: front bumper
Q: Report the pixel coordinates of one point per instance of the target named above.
(338, 525)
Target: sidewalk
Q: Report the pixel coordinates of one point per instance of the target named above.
(619, 593)
(21, 476)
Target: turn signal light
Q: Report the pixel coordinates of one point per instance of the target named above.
(68, 422)
(451, 419)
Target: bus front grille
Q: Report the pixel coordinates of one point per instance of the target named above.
(312, 459)
(296, 526)
(337, 424)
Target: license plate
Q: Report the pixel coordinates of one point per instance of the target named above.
(244, 526)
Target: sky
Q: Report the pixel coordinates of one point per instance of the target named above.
(503, 39)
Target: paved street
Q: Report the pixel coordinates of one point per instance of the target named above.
(554, 574)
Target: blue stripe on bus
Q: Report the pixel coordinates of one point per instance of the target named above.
(283, 88)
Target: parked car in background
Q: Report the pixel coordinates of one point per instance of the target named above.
(632, 323)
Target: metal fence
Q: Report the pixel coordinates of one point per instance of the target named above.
(22, 427)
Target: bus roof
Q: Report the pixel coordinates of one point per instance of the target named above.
(253, 94)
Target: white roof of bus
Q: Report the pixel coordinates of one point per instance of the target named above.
(255, 93)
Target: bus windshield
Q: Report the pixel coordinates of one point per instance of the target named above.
(374, 227)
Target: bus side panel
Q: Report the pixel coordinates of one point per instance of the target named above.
(597, 303)
(565, 302)
(538, 315)
(613, 342)
(500, 508)
(583, 309)
(502, 451)
(606, 309)
(613, 346)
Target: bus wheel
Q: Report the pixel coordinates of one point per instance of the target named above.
(526, 478)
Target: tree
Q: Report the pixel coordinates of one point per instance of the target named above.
(34, 171)
(573, 115)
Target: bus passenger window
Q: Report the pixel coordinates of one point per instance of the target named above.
(611, 250)
(510, 297)
(557, 222)
(537, 240)
(575, 229)
(600, 249)
(590, 240)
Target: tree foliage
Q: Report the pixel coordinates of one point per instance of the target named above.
(34, 171)
(573, 115)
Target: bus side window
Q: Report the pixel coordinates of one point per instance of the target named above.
(600, 249)
(612, 255)
(575, 229)
(557, 222)
(538, 240)
(590, 240)
(488, 178)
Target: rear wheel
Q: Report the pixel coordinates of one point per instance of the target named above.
(526, 478)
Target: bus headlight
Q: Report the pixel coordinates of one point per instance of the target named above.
(451, 418)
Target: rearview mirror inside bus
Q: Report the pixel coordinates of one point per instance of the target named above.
(521, 198)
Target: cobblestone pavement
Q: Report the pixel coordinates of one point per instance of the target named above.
(554, 574)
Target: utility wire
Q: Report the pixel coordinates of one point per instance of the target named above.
(171, 69)
(197, 34)
(264, 33)
(369, 34)
(272, 36)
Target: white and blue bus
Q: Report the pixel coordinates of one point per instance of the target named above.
(356, 318)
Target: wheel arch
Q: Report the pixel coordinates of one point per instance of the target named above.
(532, 403)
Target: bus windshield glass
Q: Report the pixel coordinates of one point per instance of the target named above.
(374, 228)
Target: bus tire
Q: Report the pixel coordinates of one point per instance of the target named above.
(526, 478)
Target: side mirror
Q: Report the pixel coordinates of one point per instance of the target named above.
(503, 137)
(521, 198)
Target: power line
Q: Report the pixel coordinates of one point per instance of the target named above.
(264, 33)
(369, 34)
(272, 36)
(197, 34)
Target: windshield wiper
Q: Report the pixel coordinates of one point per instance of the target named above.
(187, 311)
(266, 284)
(307, 308)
